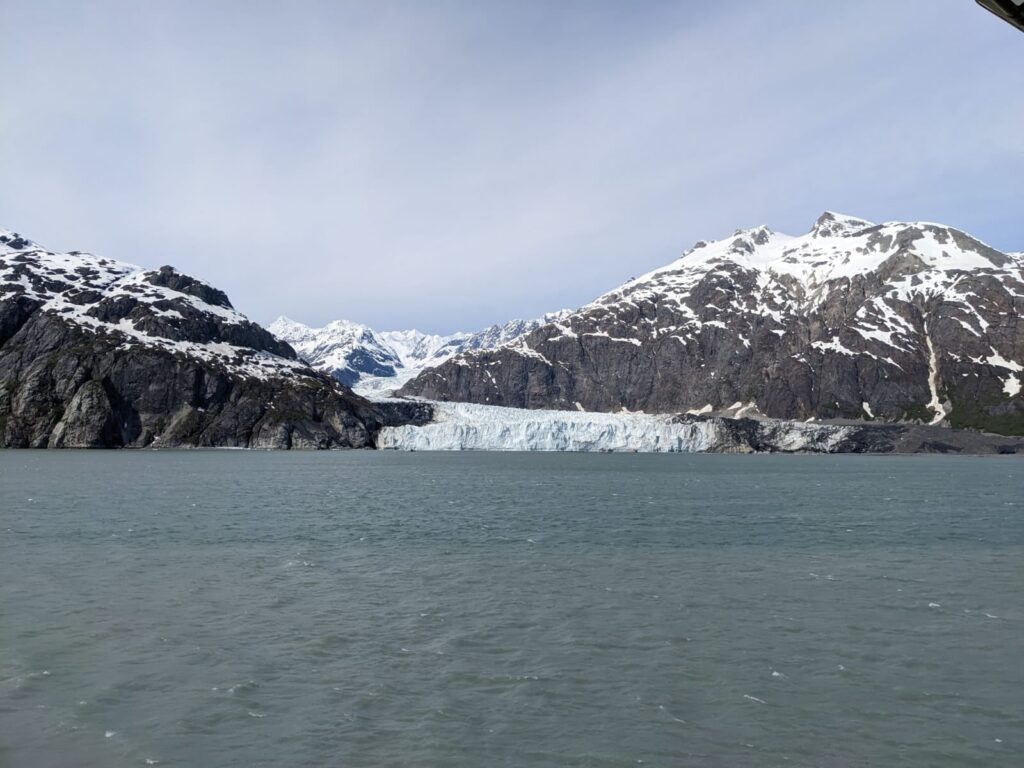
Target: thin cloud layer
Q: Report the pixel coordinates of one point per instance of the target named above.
(449, 165)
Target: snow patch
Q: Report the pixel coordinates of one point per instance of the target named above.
(999, 361)
(833, 346)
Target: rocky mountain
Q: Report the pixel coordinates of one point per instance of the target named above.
(376, 363)
(893, 322)
(98, 353)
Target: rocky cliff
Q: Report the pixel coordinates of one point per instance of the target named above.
(892, 322)
(97, 353)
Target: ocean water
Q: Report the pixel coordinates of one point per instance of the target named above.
(392, 609)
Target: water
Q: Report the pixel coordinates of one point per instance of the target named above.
(389, 609)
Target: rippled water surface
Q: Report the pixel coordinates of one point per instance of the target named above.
(383, 609)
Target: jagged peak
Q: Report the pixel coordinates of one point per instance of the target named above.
(833, 224)
(169, 277)
(757, 235)
(15, 241)
(284, 325)
(409, 334)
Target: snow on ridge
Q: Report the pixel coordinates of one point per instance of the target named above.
(71, 284)
(41, 273)
(838, 246)
(795, 274)
(289, 330)
(415, 348)
(833, 223)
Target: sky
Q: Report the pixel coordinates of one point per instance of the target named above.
(447, 165)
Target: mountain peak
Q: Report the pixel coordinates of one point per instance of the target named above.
(285, 327)
(168, 277)
(832, 224)
(14, 241)
(756, 235)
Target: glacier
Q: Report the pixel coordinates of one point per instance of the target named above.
(473, 427)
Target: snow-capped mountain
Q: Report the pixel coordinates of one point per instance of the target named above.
(897, 321)
(155, 308)
(95, 352)
(376, 363)
(346, 350)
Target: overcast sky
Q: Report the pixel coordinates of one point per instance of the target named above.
(447, 165)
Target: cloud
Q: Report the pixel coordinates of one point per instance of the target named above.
(454, 164)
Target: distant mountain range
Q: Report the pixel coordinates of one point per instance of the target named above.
(378, 362)
(893, 322)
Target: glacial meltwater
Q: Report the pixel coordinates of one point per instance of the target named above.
(366, 609)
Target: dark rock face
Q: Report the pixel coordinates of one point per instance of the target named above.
(895, 322)
(168, 277)
(398, 413)
(99, 354)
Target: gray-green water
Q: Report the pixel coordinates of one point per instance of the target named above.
(383, 609)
